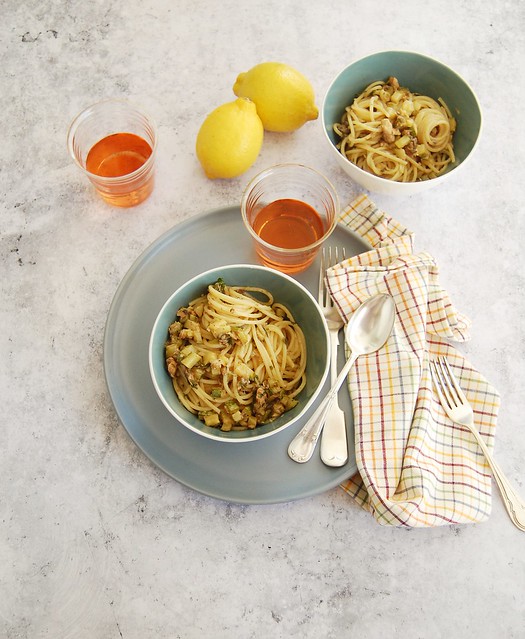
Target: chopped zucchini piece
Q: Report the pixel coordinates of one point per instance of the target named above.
(396, 96)
(402, 142)
(231, 407)
(219, 327)
(172, 350)
(212, 419)
(226, 420)
(187, 350)
(209, 356)
(191, 360)
(243, 370)
(422, 151)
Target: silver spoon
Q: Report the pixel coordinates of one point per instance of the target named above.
(366, 332)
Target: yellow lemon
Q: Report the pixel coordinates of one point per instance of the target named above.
(284, 98)
(230, 139)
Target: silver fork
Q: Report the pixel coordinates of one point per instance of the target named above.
(334, 448)
(460, 411)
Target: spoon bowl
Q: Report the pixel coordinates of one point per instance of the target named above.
(370, 325)
(367, 331)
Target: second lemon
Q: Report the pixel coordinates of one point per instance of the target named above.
(230, 139)
(284, 98)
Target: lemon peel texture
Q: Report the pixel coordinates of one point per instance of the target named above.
(284, 98)
(230, 139)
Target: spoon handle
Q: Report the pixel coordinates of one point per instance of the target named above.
(302, 446)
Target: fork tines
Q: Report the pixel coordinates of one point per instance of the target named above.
(329, 258)
(448, 389)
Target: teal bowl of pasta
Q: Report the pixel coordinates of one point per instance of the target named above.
(400, 122)
(239, 353)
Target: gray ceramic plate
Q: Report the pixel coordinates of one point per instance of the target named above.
(252, 473)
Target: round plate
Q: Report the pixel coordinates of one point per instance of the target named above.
(254, 473)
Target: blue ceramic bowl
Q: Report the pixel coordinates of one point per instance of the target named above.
(285, 290)
(422, 75)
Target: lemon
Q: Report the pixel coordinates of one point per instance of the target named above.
(230, 139)
(284, 98)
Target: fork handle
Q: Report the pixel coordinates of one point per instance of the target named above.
(334, 344)
(514, 504)
(302, 446)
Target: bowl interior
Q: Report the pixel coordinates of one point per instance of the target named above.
(286, 291)
(420, 74)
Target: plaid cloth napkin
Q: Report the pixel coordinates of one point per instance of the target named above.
(416, 468)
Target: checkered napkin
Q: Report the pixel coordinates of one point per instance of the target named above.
(416, 468)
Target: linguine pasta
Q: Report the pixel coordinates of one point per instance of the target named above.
(396, 134)
(236, 361)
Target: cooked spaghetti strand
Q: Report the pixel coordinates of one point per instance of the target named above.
(237, 358)
(396, 134)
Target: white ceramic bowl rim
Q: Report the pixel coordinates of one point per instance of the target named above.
(380, 180)
(209, 433)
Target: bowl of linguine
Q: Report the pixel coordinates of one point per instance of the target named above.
(239, 353)
(399, 122)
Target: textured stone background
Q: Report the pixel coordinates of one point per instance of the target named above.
(94, 540)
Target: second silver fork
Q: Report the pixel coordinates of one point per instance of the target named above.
(459, 410)
(334, 447)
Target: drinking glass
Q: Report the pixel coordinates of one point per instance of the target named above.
(112, 118)
(289, 210)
